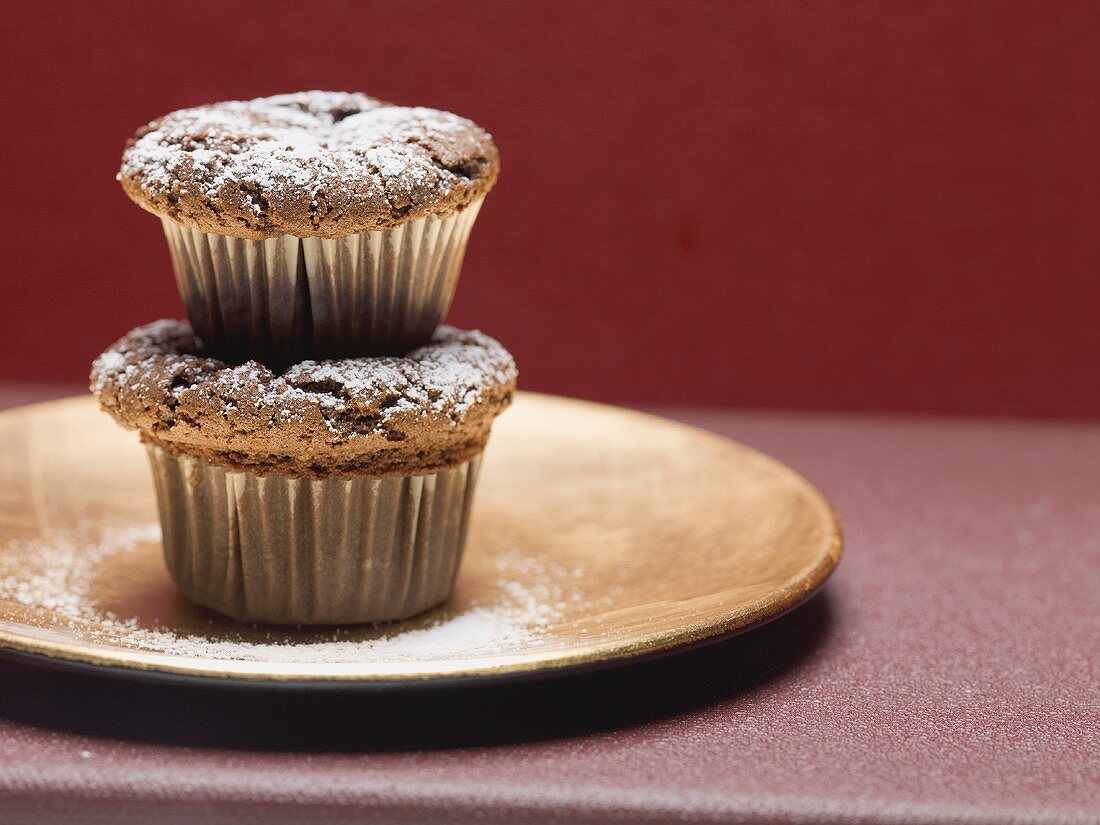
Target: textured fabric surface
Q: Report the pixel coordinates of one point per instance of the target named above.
(947, 674)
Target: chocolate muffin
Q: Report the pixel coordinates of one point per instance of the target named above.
(312, 225)
(331, 492)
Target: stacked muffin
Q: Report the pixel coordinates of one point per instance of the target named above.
(314, 432)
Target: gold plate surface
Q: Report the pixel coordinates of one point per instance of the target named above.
(599, 534)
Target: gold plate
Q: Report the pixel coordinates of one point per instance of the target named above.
(599, 535)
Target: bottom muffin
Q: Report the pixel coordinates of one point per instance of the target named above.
(334, 492)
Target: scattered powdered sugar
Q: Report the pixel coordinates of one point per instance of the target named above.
(476, 631)
(300, 145)
(66, 568)
(449, 375)
(60, 592)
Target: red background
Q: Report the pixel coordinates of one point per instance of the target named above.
(837, 205)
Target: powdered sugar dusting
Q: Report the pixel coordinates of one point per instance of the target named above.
(323, 154)
(373, 404)
(60, 591)
(291, 142)
(449, 375)
(67, 569)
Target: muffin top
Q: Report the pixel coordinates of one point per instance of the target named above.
(426, 411)
(311, 164)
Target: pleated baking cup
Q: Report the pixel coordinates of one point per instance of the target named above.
(284, 550)
(285, 299)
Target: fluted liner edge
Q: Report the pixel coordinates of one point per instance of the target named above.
(287, 550)
(284, 299)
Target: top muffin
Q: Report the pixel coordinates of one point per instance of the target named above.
(311, 164)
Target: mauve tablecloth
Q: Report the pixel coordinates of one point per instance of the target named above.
(948, 674)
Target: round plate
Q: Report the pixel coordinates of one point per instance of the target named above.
(598, 535)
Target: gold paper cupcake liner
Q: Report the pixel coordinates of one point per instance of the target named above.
(287, 550)
(285, 299)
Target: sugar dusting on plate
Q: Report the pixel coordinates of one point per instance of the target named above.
(60, 593)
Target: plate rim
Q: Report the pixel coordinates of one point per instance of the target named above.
(158, 676)
(513, 667)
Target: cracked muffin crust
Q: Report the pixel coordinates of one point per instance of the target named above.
(431, 409)
(310, 164)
